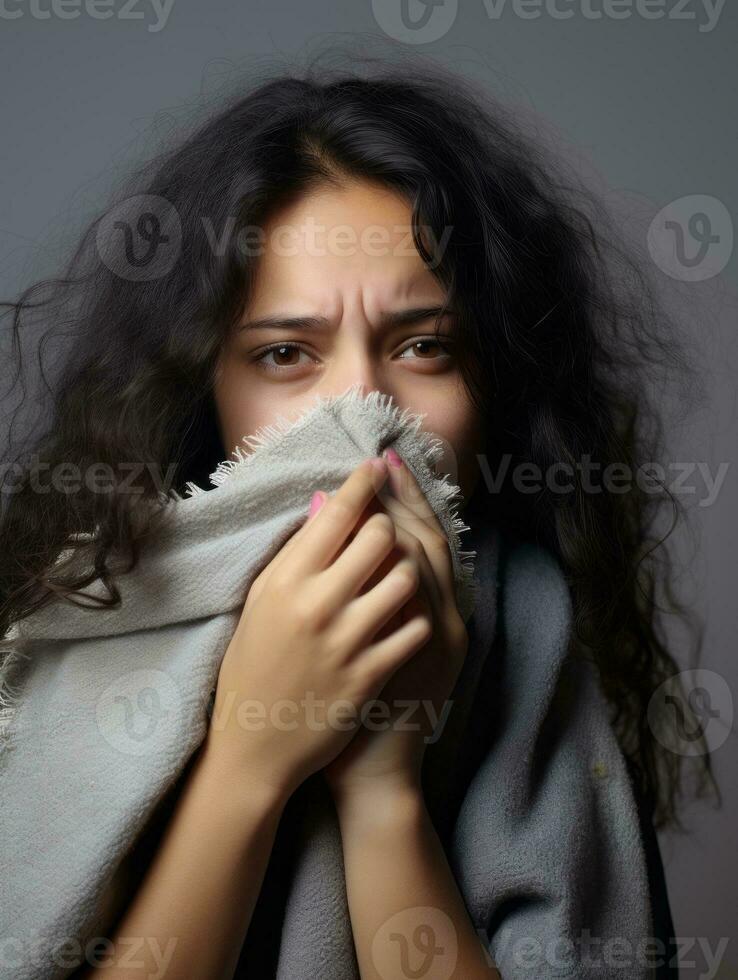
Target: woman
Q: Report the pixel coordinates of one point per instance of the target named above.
(391, 231)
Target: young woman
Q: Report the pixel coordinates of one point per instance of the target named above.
(396, 231)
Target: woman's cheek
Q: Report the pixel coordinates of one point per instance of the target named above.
(456, 426)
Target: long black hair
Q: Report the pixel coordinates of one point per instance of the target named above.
(559, 335)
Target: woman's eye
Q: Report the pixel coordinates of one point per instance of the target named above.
(278, 350)
(421, 345)
(287, 356)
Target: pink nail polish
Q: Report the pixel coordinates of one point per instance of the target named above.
(393, 458)
(316, 502)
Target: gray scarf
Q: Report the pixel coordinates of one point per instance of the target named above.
(102, 711)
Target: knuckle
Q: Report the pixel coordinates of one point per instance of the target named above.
(313, 613)
(369, 677)
(428, 623)
(381, 528)
(439, 543)
(339, 507)
(304, 611)
(407, 573)
(335, 649)
(281, 581)
(417, 549)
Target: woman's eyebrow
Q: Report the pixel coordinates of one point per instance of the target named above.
(396, 318)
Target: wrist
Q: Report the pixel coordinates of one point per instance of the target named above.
(379, 803)
(242, 784)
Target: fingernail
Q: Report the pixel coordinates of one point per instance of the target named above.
(316, 502)
(393, 458)
(378, 463)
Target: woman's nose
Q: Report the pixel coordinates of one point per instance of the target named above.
(362, 388)
(361, 385)
(357, 367)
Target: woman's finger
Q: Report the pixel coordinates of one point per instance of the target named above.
(409, 507)
(409, 544)
(319, 540)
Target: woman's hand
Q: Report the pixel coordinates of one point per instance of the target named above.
(306, 641)
(388, 751)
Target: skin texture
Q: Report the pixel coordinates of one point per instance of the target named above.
(332, 272)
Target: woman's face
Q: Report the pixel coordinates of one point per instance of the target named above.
(345, 262)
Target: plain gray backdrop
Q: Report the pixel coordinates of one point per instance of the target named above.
(640, 96)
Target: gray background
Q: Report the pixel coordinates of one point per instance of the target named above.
(644, 108)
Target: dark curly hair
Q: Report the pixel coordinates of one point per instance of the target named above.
(560, 341)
